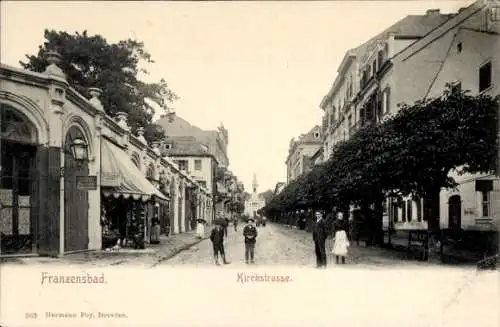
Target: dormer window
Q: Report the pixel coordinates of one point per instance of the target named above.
(316, 134)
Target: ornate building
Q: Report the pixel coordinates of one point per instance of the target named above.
(255, 201)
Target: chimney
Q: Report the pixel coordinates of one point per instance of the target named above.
(433, 12)
(461, 9)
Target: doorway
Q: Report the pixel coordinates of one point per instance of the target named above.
(18, 183)
(76, 204)
(18, 225)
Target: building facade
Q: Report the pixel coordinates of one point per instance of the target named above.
(194, 159)
(62, 157)
(300, 152)
(461, 52)
(357, 76)
(216, 141)
(255, 201)
(412, 62)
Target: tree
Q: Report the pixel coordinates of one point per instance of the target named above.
(411, 153)
(267, 195)
(90, 61)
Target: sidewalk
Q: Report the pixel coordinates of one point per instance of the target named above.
(149, 257)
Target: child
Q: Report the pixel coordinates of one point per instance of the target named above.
(250, 234)
(217, 238)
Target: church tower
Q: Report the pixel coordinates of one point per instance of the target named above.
(254, 183)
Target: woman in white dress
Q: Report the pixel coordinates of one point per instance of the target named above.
(200, 228)
(341, 242)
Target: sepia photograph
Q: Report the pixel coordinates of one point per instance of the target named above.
(250, 163)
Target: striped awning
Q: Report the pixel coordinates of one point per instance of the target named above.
(121, 178)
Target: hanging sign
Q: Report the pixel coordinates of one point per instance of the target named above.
(86, 183)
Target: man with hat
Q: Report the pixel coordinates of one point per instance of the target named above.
(217, 238)
(250, 234)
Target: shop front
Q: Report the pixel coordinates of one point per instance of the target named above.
(48, 179)
(128, 197)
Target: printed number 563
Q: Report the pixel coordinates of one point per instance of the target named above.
(30, 315)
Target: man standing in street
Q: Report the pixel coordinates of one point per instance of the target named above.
(250, 234)
(217, 238)
(319, 236)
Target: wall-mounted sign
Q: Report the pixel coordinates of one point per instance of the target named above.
(86, 183)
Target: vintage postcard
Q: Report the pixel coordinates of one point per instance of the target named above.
(249, 163)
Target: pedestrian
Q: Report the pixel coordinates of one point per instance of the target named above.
(217, 238)
(200, 228)
(235, 223)
(250, 234)
(155, 230)
(319, 237)
(226, 224)
(341, 242)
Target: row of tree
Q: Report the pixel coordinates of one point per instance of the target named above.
(410, 153)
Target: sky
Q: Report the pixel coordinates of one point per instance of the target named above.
(260, 68)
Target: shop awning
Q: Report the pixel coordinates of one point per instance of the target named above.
(121, 178)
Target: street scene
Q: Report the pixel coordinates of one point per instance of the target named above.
(340, 136)
(387, 162)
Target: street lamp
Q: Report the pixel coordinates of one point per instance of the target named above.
(79, 149)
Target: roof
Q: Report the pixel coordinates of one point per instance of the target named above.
(179, 127)
(309, 136)
(411, 26)
(185, 145)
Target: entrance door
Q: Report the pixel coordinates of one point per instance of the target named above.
(455, 213)
(76, 204)
(18, 184)
(17, 219)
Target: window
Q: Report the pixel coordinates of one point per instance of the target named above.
(316, 135)
(485, 76)
(419, 209)
(183, 164)
(381, 57)
(395, 211)
(403, 212)
(197, 164)
(459, 47)
(495, 14)
(409, 209)
(374, 67)
(349, 124)
(485, 204)
(168, 146)
(385, 100)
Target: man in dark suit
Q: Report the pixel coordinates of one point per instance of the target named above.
(320, 234)
(250, 235)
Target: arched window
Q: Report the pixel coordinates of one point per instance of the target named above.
(136, 159)
(150, 173)
(16, 127)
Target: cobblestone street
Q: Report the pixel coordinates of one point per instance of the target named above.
(277, 245)
(286, 246)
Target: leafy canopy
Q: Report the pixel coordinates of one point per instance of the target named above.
(90, 61)
(412, 152)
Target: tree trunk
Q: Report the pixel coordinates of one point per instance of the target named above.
(365, 228)
(378, 220)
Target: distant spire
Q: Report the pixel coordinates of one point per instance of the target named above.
(254, 183)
